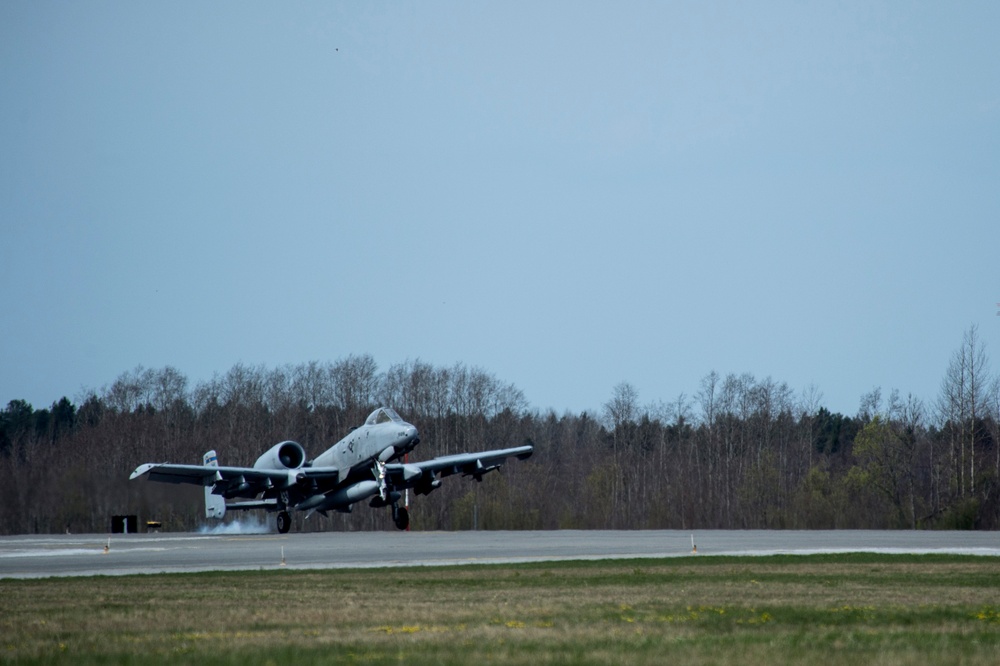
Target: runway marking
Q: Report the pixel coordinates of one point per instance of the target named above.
(49, 553)
(97, 550)
(66, 555)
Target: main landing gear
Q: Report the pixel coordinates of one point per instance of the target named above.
(400, 516)
(284, 522)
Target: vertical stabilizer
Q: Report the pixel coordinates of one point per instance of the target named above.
(215, 505)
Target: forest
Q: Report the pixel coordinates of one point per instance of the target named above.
(739, 452)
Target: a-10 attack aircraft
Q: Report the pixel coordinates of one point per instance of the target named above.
(357, 467)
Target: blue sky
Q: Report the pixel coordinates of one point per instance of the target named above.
(568, 195)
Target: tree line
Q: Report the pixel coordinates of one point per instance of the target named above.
(740, 452)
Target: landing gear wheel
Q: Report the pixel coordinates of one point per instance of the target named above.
(284, 522)
(401, 517)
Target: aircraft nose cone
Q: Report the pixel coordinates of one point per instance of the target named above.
(411, 437)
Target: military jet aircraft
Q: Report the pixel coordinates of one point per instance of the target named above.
(357, 467)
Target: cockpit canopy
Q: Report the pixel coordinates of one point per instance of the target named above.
(383, 415)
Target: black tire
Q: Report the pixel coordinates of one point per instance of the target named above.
(402, 518)
(284, 522)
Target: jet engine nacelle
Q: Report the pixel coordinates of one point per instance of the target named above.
(285, 455)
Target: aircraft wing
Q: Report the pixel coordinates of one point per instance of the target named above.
(469, 464)
(267, 504)
(207, 475)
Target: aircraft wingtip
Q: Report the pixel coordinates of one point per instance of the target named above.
(140, 470)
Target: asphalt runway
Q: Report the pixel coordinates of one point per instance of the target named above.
(84, 555)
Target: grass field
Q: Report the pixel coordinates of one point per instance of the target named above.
(837, 609)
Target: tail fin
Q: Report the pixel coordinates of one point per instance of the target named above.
(215, 505)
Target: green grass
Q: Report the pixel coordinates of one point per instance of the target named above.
(838, 609)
